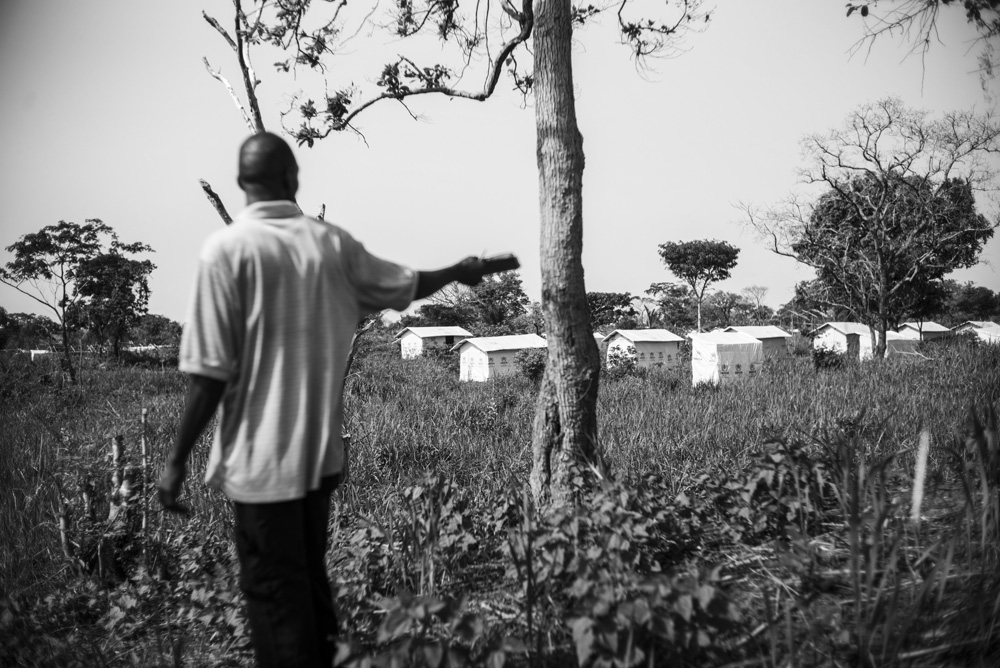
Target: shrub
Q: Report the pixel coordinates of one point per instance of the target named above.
(531, 363)
(827, 358)
(621, 362)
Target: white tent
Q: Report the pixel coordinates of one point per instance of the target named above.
(724, 357)
(652, 347)
(774, 339)
(413, 339)
(923, 331)
(855, 339)
(899, 344)
(485, 357)
(851, 338)
(987, 331)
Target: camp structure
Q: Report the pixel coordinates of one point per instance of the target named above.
(775, 340)
(724, 357)
(413, 340)
(485, 357)
(653, 348)
(899, 344)
(986, 331)
(855, 340)
(923, 331)
(850, 338)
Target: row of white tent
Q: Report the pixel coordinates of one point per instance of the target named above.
(724, 355)
(729, 354)
(856, 339)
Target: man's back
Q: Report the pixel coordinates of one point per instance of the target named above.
(278, 297)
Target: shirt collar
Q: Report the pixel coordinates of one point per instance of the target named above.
(270, 209)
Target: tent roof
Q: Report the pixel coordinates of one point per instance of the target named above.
(760, 331)
(426, 332)
(490, 344)
(980, 324)
(646, 335)
(722, 337)
(846, 328)
(927, 326)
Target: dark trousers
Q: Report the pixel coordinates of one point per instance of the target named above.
(289, 601)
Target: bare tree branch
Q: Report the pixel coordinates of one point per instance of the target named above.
(216, 202)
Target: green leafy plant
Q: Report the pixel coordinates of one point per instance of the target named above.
(429, 632)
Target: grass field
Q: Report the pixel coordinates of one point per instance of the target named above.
(760, 524)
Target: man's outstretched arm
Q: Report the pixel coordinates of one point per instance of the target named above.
(203, 398)
(469, 271)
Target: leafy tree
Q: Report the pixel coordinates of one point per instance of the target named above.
(898, 211)
(28, 331)
(699, 264)
(45, 267)
(609, 308)
(494, 306)
(498, 298)
(968, 301)
(155, 330)
(530, 321)
(434, 314)
(493, 38)
(728, 308)
(115, 292)
(676, 308)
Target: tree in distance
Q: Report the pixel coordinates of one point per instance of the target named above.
(493, 305)
(728, 308)
(756, 294)
(115, 292)
(26, 331)
(60, 267)
(897, 212)
(155, 330)
(609, 308)
(675, 306)
(699, 264)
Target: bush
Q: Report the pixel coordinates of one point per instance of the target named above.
(827, 358)
(531, 363)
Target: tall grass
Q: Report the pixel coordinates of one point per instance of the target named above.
(408, 417)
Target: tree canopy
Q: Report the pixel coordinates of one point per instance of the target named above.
(609, 308)
(115, 292)
(897, 211)
(699, 264)
(68, 266)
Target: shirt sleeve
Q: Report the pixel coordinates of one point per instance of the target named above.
(377, 283)
(211, 337)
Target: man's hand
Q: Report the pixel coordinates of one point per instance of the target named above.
(170, 487)
(470, 271)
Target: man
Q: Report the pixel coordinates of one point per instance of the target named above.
(277, 297)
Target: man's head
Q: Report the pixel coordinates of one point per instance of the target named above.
(267, 169)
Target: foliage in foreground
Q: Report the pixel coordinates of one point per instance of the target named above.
(771, 521)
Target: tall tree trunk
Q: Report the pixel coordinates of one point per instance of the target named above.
(67, 355)
(883, 316)
(564, 438)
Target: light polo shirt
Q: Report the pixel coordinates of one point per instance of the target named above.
(276, 300)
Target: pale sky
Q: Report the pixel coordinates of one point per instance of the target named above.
(107, 112)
